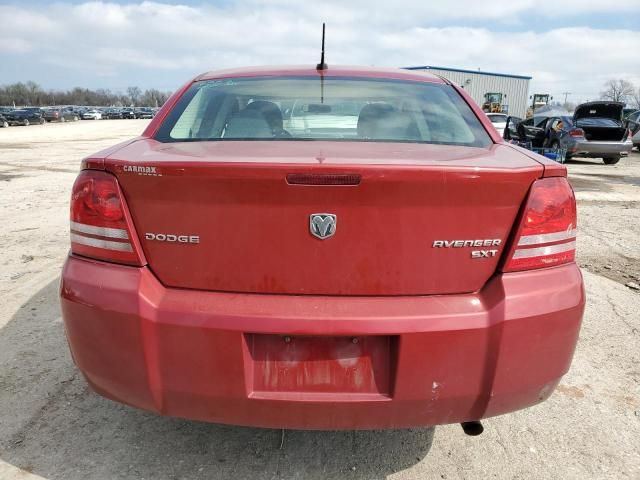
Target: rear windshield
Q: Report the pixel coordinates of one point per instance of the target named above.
(346, 109)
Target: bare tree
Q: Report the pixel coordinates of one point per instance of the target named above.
(134, 94)
(617, 90)
(153, 97)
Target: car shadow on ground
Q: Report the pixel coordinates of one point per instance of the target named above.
(584, 161)
(52, 425)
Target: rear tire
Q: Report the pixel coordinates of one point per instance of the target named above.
(611, 160)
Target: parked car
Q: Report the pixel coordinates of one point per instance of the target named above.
(72, 112)
(594, 130)
(144, 112)
(113, 113)
(128, 113)
(4, 123)
(395, 271)
(636, 139)
(39, 110)
(499, 121)
(25, 116)
(632, 121)
(92, 115)
(60, 115)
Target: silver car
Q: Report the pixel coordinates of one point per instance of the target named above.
(594, 130)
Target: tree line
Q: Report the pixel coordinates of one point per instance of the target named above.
(31, 94)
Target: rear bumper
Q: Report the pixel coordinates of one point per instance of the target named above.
(226, 358)
(596, 149)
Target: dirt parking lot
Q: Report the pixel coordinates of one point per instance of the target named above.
(52, 426)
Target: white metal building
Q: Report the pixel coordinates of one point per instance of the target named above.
(477, 83)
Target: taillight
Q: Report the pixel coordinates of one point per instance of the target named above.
(100, 225)
(546, 236)
(576, 132)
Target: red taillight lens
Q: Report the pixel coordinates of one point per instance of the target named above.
(576, 132)
(547, 233)
(100, 227)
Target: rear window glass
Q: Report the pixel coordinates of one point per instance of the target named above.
(306, 108)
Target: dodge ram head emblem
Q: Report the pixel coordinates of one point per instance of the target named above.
(322, 225)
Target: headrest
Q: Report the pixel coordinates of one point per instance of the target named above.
(269, 111)
(248, 124)
(380, 121)
(368, 116)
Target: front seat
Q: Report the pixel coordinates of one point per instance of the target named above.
(396, 126)
(272, 115)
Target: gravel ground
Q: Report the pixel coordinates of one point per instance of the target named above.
(52, 426)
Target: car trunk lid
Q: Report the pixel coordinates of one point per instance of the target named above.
(612, 110)
(250, 205)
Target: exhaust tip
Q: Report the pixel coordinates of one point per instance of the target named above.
(473, 429)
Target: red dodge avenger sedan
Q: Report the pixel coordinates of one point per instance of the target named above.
(347, 248)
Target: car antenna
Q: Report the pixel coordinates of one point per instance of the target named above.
(322, 65)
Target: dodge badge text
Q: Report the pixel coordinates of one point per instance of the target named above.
(168, 237)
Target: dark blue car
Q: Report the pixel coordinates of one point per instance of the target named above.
(25, 116)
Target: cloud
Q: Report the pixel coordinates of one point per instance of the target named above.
(15, 46)
(162, 45)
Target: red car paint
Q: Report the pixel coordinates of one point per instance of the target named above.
(414, 183)
(258, 323)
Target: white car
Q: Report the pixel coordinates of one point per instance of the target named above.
(92, 115)
(499, 121)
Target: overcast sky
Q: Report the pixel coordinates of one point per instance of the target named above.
(570, 45)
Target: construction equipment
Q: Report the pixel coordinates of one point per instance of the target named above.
(493, 103)
(538, 100)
